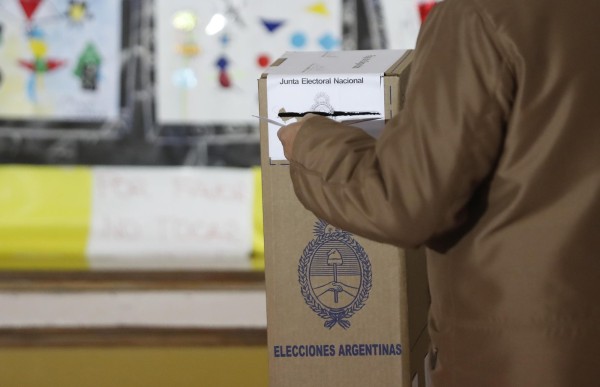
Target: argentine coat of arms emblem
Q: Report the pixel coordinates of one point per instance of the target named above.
(334, 275)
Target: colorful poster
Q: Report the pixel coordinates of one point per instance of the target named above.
(60, 60)
(210, 53)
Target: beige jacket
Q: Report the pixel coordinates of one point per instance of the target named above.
(494, 165)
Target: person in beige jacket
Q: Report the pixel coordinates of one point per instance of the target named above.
(494, 165)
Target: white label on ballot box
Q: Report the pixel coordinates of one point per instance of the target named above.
(344, 85)
(341, 97)
(185, 216)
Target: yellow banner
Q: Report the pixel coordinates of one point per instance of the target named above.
(44, 217)
(258, 245)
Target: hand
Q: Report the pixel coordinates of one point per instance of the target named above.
(287, 135)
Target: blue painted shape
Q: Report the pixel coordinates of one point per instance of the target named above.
(35, 32)
(225, 39)
(298, 40)
(185, 78)
(222, 63)
(31, 86)
(272, 25)
(328, 42)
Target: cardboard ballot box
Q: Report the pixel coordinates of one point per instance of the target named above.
(341, 310)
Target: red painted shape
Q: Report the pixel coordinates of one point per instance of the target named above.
(29, 7)
(425, 8)
(263, 60)
(224, 79)
(26, 64)
(53, 63)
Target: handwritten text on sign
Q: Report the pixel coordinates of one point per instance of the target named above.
(181, 213)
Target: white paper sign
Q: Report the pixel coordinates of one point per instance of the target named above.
(182, 216)
(345, 85)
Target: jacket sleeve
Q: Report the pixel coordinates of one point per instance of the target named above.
(415, 181)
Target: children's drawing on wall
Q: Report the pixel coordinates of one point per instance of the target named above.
(210, 53)
(60, 59)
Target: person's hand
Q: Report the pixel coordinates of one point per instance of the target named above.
(287, 135)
